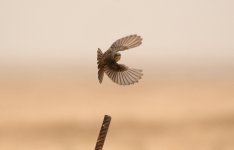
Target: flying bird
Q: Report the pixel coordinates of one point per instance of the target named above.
(118, 73)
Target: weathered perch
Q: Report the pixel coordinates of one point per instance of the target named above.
(103, 133)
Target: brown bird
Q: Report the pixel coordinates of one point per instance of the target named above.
(118, 73)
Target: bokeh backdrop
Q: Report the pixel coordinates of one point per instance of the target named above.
(50, 98)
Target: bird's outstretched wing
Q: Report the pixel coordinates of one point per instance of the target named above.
(125, 43)
(122, 75)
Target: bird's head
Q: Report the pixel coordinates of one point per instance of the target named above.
(117, 56)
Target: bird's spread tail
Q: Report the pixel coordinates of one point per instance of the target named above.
(100, 65)
(99, 55)
(100, 74)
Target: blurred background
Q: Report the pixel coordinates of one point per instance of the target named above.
(50, 98)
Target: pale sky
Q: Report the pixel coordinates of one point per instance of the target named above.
(176, 33)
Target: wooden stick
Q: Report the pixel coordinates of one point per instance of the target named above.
(103, 133)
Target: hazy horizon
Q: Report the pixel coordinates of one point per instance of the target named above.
(50, 97)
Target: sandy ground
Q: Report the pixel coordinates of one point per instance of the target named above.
(66, 114)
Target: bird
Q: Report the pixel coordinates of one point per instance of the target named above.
(108, 62)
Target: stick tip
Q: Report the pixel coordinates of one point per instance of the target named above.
(107, 116)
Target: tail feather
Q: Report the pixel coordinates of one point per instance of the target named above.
(99, 54)
(100, 65)
(100, 74)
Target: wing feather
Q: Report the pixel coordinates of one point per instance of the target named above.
(125, 43)
(127, 78)
(123, 75)
(131, 81)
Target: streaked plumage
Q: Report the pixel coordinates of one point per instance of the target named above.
(118, 73)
